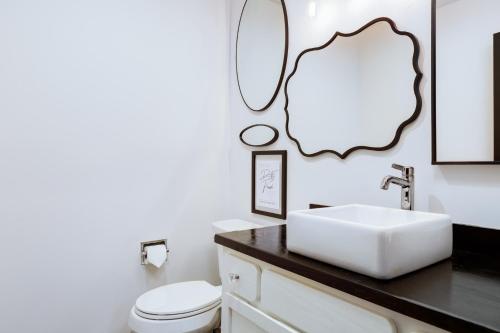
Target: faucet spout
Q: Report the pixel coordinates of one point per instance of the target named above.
(407, 184)
(388, 180)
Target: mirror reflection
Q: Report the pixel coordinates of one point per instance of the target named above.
(261, 51)
(467, 82)
(358, 91)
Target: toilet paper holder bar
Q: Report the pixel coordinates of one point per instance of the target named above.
(144, 254)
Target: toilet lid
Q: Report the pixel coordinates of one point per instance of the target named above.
(179, 298)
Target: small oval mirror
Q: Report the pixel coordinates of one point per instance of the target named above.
(261, 51)
(259, 135)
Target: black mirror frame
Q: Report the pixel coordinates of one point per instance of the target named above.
(268, 143)
(283, 67)
(416, 87)
(435, 160)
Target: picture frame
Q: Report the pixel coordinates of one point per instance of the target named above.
(269, 183)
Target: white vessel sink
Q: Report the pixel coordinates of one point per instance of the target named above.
(380, 242)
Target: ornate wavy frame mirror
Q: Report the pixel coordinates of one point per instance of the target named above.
(416, 89)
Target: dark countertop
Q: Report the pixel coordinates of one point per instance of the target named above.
(459, 295)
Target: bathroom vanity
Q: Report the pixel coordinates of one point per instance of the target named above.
(269, 289)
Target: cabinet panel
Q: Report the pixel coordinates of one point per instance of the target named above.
(244, 318)
(314, 311)
(242, 325)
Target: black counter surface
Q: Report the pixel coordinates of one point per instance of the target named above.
(460, 295)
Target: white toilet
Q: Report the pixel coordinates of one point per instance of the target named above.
(186, 307)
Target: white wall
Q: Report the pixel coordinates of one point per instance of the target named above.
(112, 117)
(469, 193)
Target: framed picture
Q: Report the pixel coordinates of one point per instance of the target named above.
(269, 183)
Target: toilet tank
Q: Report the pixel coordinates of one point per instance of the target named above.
(228, 226)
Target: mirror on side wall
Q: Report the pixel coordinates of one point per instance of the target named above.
(261, 52)
(466, 82)
(357, 91)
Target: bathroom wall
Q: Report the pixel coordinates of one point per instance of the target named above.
(112, 118)
(468, 193)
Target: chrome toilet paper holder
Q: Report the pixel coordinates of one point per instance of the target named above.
(144, 245)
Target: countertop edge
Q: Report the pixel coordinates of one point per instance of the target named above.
(404, 306)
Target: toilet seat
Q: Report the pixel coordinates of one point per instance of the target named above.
(203, 322)
(179, 300)
(153, 316)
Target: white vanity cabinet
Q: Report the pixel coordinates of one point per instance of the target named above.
(261, 298)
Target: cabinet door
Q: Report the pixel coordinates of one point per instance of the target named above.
(314, 311)
(241, 317)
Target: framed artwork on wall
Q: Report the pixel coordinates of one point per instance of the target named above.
(269, 172)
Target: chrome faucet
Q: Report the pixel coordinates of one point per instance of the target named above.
(407, 183)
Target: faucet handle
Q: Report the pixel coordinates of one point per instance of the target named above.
(407, 171)
(398, 167)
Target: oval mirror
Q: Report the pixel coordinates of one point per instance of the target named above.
(261, 51)
(357, 91)
(259, 135)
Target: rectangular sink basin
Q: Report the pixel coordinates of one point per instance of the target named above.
(379, 242)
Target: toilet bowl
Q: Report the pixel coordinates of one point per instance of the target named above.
(185, 307)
